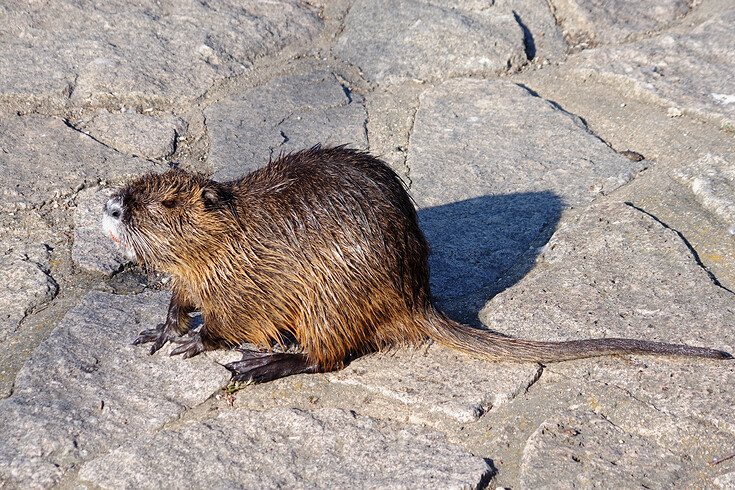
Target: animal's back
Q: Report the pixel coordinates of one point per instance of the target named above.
(341, 261)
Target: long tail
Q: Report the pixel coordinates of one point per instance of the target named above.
(486, 345)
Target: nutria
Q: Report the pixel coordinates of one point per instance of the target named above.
(322, 246)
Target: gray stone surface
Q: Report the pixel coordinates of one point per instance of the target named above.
(682, 388)
(43, 160)
(616, 272)
(726, 481)
(439, 381)
(142, 53)
(493, 166)
(588, 451)
(543, 40)
(390, 41)
(496, 170)
(690, 72)
(712, 181)
(136, 134)
(26, 283)
(86, 389)
(289, 448)
(287, 114)
(92, 250)
(588, 22)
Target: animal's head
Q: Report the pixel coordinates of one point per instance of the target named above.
(162, 219)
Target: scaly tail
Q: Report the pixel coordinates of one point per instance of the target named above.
(486, 345)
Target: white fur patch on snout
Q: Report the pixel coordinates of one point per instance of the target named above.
(113, 228)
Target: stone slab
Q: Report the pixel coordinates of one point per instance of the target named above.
(543, 39)
(492, 167)
(587, 450)
(143, 53)
(614, 271)
(712, 181)
(42, 160)
(726, 481)
(136, 134)
(92, 249)
(682, 388)
(86, 389)
(288, 114)
(588, 23)
(26, 282)
(291, 448)
(390, 41)
(690, 72)
(438, 381)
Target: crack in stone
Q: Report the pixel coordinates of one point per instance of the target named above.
(689, 246)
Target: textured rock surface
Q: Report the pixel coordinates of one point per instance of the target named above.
(712, 181)
(26, 282)
(43, 159)
(136, 134)
(543, 38)
(589, 22)
(187, 46)
(697, 389)
(689, 72)
(440, 381)
(390, 41)
(589, 451)
(496, 167)
(616, 272)
(288, 114)
(492, 166)
(292, 448)
(92, 250)
(87, 389)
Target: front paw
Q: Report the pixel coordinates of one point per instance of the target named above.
(189, 346)
(159, 336)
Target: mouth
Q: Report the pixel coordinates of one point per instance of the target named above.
(117, 240)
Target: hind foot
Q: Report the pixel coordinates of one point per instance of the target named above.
(261, 367)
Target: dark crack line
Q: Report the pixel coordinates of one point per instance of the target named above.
(688, 245)
(69, 125)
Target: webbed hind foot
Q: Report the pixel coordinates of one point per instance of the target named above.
(261, 367)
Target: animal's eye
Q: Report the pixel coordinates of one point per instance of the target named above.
(169, 203)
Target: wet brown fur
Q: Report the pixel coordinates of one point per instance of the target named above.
(323, 245)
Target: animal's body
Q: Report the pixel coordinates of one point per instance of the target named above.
(322, 246)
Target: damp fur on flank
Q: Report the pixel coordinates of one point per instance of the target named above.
(321, 246)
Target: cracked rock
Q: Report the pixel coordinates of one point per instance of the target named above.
(712, 181)
(142, 53)
(43, 160)
(86, 389)
(136, 134)
(288, 114)
(493, 166)
(439, 381)
(616, 272)
(26, 283)
(589, 451)
(92, 250)
(285, 447)
(691, 72)
(390, 41)
(615, 21)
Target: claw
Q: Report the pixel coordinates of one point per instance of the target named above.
(159, 336)
(189, 346)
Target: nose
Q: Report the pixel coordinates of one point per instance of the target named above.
(113, 208)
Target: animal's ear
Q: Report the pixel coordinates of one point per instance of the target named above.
(210, 196)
